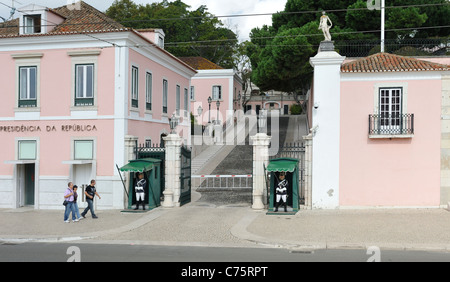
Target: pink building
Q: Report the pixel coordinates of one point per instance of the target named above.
(389, 136)
(76, 87)
(222, 85)
(270, 101)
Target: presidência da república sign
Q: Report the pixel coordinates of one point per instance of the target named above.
(48, 128)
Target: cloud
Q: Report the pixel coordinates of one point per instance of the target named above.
(219, 8)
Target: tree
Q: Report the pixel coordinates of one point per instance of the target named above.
(186, 31)
(280, 53)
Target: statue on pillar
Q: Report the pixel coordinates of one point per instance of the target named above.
(324, 20)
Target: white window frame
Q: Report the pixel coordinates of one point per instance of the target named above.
(83, 94)
(178, 100)
(75, 149)
(88, 57)
(35, 143)
(29, 27)
(217, 93)
(28, 60)
(165, 87)
(186, 102)
(25, 94)
(148, 142)
(403, 109)
(148, 90)
(391, 106)
(135, 86)
(192, 93)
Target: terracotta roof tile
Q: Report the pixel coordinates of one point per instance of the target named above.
(87, 19)
(200, 63)
(9, 27)
(384, 62)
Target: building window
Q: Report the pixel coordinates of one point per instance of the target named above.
(32, 24)
(390, 119)
(217, 92)
(192, 93)
(161, 41)
(84, 150)
(148, 143)
(165, 95)
(390, 108)
(27, 150)
(148, 91)
(84, 85)
(186, 102)
(27, 87)
(135, 87)
(178, 100)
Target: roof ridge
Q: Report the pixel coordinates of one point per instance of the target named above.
(386, 62)
(200, 63)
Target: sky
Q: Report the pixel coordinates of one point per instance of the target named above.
(241, 25)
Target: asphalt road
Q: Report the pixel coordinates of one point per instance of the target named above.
(58, 252)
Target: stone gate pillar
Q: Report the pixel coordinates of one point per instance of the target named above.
(173, 171)
(261, 143)
(326, 127)
(131, 142)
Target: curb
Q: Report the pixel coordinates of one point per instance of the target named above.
(240, 231)
(20, 239)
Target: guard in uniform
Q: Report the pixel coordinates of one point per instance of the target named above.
(281, 192)
(140, 192)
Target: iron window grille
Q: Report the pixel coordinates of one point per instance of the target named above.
(391, 124)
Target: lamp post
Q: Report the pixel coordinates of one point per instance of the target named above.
(209, 102)
(262, 121)
(218, 107)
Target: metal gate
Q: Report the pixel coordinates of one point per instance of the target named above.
(220, 182)
(296, 151)
(185, 176)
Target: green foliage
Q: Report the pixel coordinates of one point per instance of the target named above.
(280, 53)
(180, 25)
(296, 109)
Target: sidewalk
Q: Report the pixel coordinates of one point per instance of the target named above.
(206, 224)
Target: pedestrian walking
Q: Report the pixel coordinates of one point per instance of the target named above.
(69, 198)
(75, 202)
(90, 193)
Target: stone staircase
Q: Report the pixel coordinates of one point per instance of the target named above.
(199, 162)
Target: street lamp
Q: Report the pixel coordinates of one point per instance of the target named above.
(209, 102)
(199, 112)
(218, 107)
(173, 122)
(262, 122)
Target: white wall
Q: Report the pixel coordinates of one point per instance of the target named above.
(326, 122)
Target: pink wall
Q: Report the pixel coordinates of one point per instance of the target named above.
(7, 91)
(56, 101)
(56, 83)
(144, 129)
(159, 73)
(203, 90)
(55, 144)
(384, 172)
